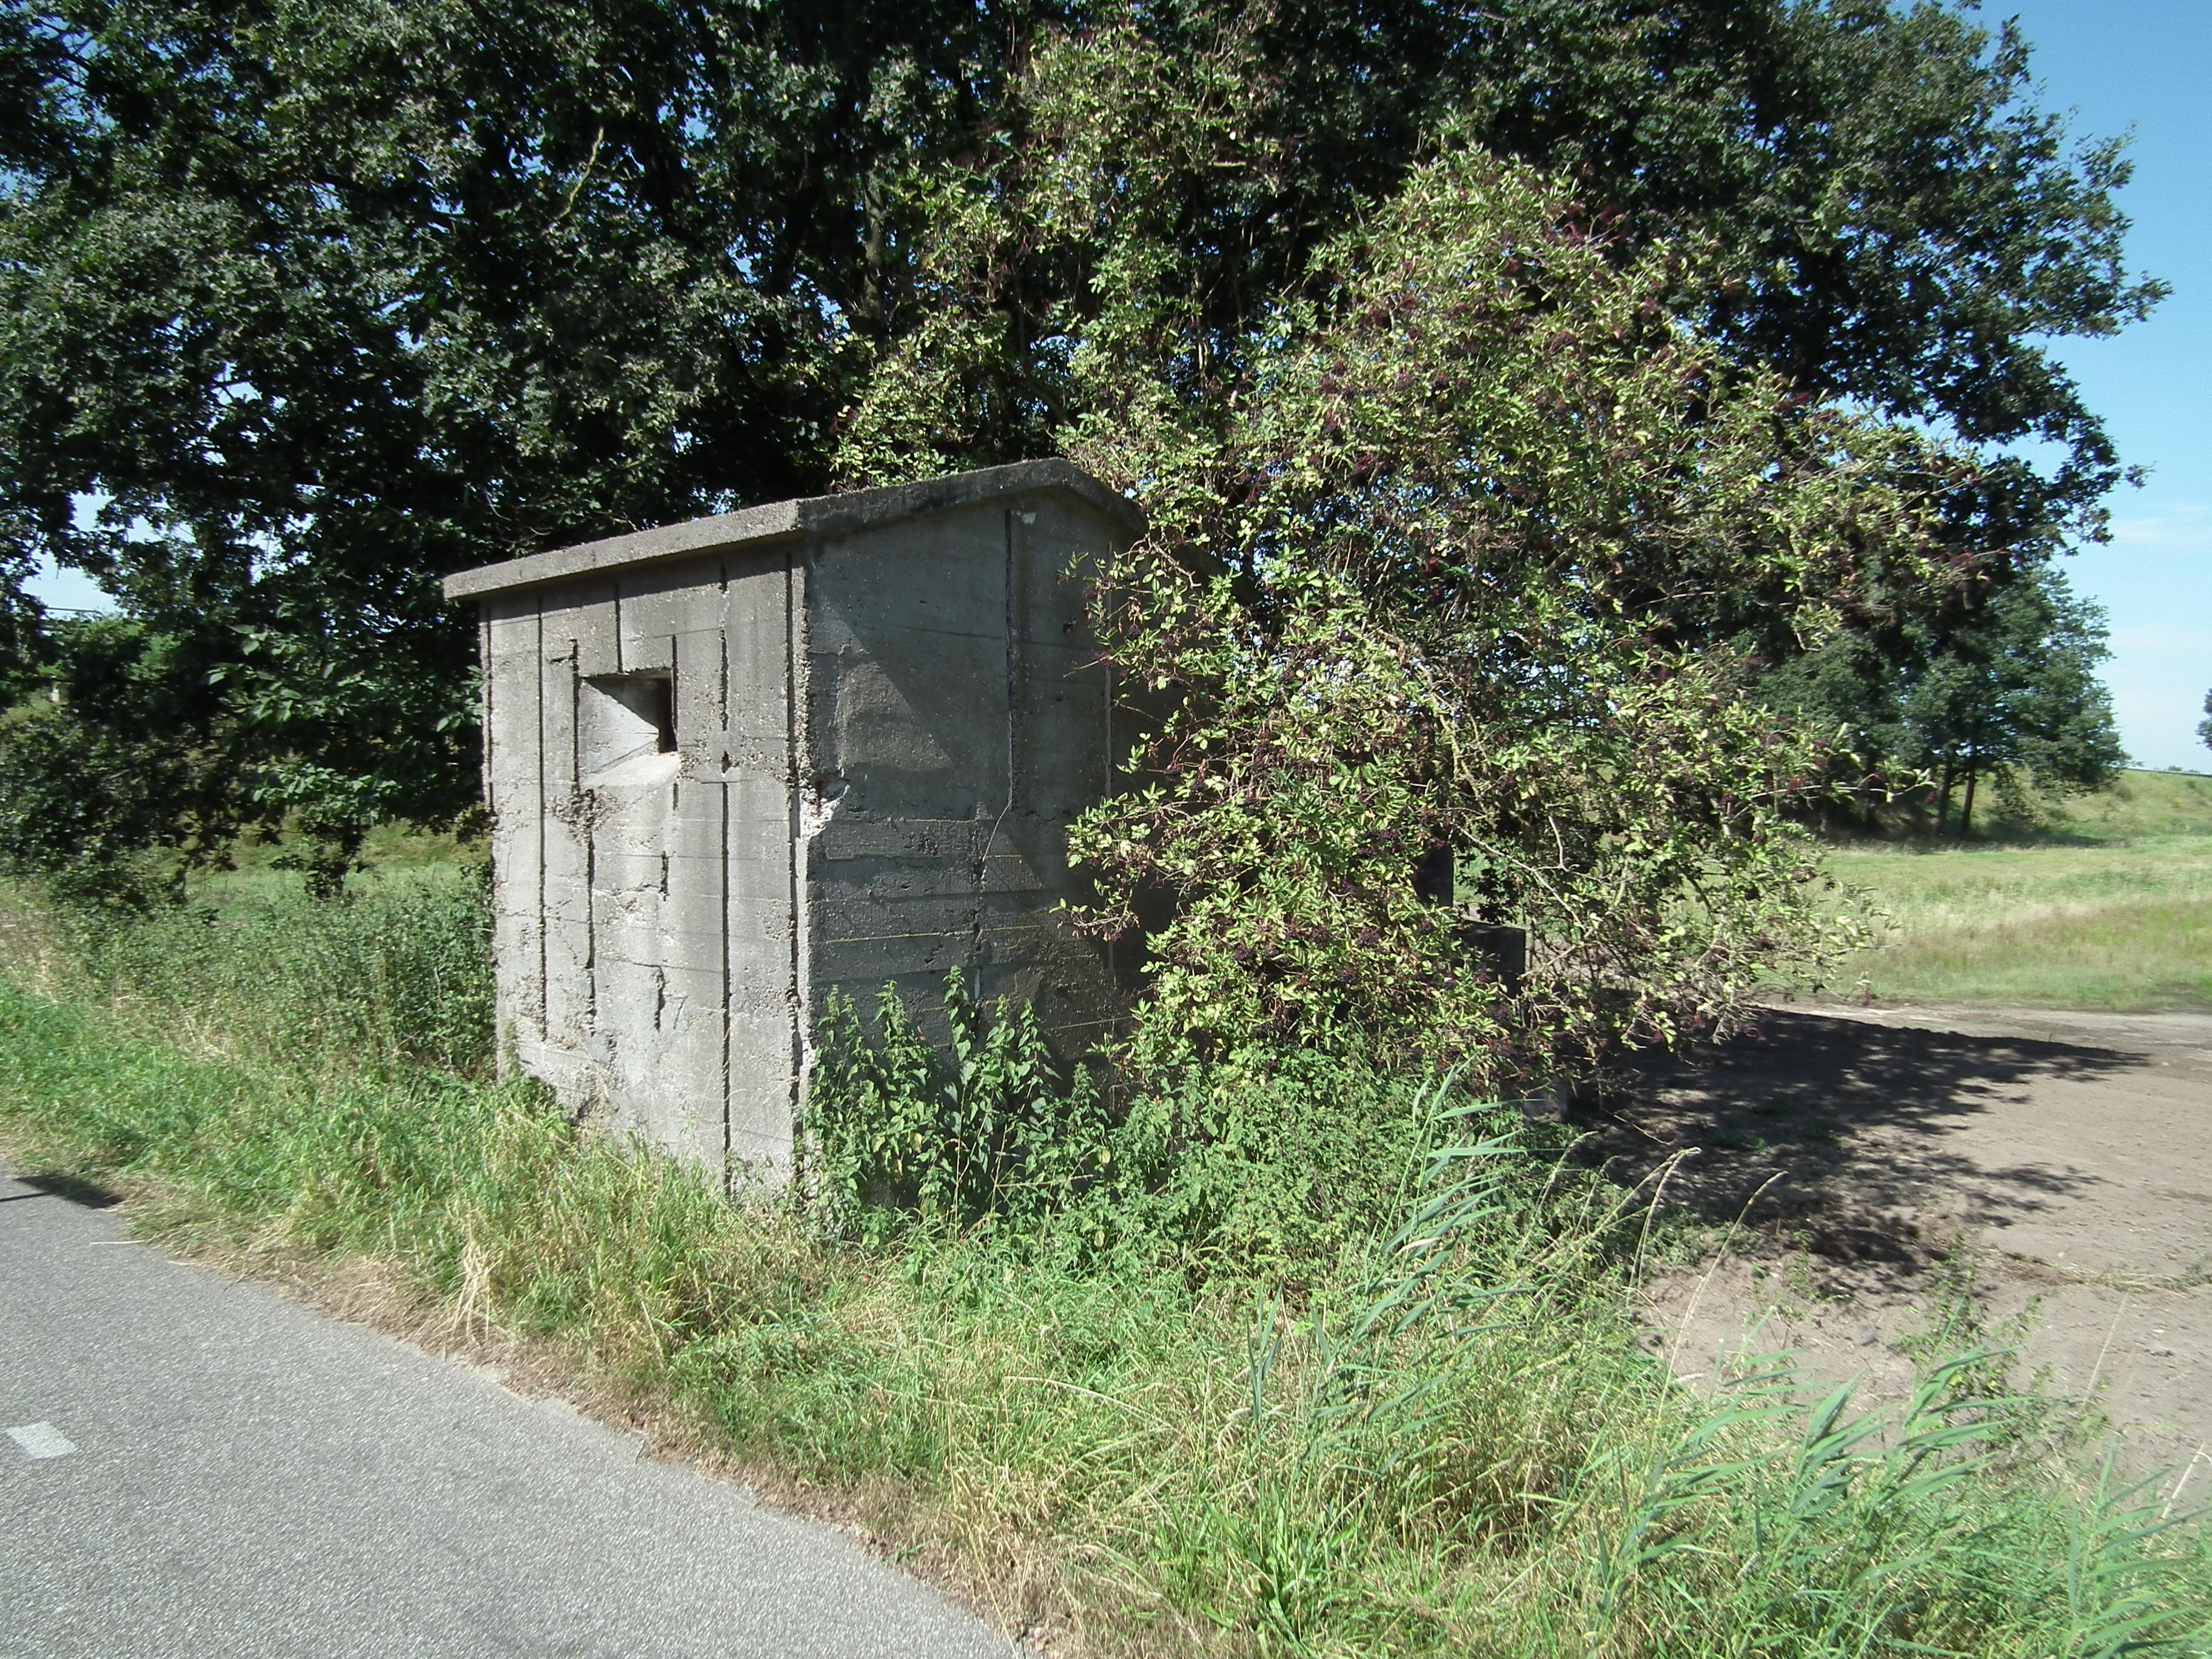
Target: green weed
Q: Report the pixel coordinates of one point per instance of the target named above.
(396, 970)
(1431, 1434)
(992, 1129)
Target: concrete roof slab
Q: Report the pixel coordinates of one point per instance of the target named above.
(860, 509)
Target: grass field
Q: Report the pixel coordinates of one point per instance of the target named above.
(1440, 1435)
(2108, 906)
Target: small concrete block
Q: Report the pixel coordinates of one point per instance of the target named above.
(702, 697)
(654, 605)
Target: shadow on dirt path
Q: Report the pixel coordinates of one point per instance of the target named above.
(1878, 1174)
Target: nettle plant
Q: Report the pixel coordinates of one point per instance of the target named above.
(1476, 573)
(896, 1130)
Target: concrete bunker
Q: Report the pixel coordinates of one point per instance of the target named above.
(735, 764)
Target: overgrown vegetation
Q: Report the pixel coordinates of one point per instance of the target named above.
(1431, 1433)
(896, 1131)
(1468, 554)
(303, 306)
(1266, 1166)
(1510, 391)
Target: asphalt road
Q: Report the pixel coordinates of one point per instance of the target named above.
(193, 1466)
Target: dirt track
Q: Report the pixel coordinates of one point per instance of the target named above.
(2064, 1159)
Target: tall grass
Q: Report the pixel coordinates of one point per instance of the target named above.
(396, 972)
(1437, 1437)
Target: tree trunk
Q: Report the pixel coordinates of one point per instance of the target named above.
(1967, 813)
(874, 311)
(1943, 799)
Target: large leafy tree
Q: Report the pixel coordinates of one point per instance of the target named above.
(1484, 601)
(2014, 695)
(1464, 557)
(1900, 224)
(303, 305)
(2004, 686)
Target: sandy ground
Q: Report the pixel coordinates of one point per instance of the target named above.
(1879, 1176)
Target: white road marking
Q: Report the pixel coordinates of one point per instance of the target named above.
(42, 1440)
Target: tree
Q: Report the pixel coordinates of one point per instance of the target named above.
(1468, 545)
(2007, 688)
(2204, 726)
(85, 805)
(2015, 691)
(303, 306)
(1481, 593)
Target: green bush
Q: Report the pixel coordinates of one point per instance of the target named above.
(1269, 1165)
(103, 823)
(1272, 1163)
(893, 1128)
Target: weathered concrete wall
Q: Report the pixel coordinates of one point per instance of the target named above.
(725, 779)
(643, 899)
(958, 721)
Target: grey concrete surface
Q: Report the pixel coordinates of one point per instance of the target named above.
(857, 509)
(245, 1478)
(739, 766)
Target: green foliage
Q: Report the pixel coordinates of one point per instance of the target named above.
(895, 1129)
(396, 973)
(1272, 1165)
(1268, 1166)
(1495, 534)
(305, 308)
(301, 308)
(1843, 160)
(2009, 690)
(1508, 530)
(1442, 1441)
(1466, 547)
(86, 811)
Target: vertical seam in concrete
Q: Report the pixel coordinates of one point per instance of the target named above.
(537, 703)
(722, 900)
(574, 760)
(589, 833)
(661, 906)
(978, 923)
(795, 687)
(500, 1041)
(484, 706)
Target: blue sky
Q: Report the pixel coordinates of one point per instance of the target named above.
(2116, 64)
(2119, 65)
